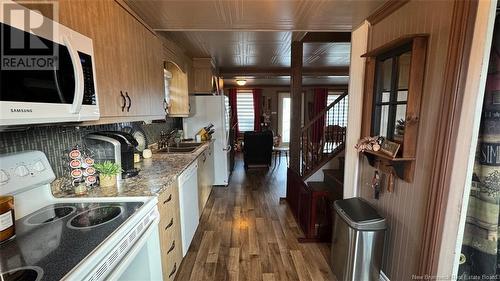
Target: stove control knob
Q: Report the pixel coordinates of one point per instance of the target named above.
(4, 177)
(39, 166)
(22, 171)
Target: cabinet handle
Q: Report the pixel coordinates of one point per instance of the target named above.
(165, 105)
(169, 224)
(171, 247)
(173, 270)
(168, 199)
(124, 101)
(129, 101)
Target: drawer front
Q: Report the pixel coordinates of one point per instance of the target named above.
(170, 232)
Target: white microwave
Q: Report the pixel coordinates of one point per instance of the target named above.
(47, 73)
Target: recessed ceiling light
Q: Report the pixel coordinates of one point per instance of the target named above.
(241, 82)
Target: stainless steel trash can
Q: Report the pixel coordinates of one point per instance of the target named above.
(358, 241)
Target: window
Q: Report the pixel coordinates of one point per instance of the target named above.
(284, 117)
(396, 71)
(391, 94)
(340, 110)
(244, 106)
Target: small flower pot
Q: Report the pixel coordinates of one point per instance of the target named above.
(107, 181)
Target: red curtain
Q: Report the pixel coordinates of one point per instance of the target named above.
(257, 104)
(234, 110)
(320, 98)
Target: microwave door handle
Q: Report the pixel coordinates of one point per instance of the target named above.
(78, 70)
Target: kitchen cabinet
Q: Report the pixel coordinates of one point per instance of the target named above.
(178, 92)
(205, 176)
(127, 55)
(170, 231)
(203, 76)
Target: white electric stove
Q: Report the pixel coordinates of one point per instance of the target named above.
(74, 238)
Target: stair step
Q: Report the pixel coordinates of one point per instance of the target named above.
(319, 186)
(333, 176)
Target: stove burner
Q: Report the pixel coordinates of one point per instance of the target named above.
(95, 217)
(50, 215)
(28, 273)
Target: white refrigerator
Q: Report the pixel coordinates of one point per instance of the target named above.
(215, 110)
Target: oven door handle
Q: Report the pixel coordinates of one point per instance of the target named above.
(78, 71)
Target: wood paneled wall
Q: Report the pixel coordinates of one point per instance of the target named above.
(405, 207)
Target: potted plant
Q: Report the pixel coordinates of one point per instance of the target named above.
(107, 173)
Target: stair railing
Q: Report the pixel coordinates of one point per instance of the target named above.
(324, 136)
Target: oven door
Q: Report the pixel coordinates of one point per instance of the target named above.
(43, 84)
(143, 260)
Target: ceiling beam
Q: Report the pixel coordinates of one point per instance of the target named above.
(332, 87)
(283, 71)
(325, 37)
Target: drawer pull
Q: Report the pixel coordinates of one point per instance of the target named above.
(124, 101)
(129, 101)
(169, 224)
(171, 247)
(173, 270)
(168, 199)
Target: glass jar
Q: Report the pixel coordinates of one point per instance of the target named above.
(7, 219)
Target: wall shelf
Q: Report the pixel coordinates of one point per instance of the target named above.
(402, 167)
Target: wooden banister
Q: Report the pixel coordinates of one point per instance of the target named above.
(320, 143)
(323, 112)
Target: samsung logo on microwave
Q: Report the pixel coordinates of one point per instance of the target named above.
(19, 110)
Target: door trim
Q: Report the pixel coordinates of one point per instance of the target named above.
(459, 48)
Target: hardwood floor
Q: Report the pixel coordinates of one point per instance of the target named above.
(246, 234)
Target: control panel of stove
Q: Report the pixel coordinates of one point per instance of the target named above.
(27, 169)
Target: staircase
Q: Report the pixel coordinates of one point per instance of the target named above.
(323, 138)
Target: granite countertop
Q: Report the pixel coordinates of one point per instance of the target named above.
(156, 174)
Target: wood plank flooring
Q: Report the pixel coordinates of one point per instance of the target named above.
(246, 234)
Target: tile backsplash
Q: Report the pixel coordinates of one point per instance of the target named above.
(54, 140)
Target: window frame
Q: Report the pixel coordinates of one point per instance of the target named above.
(402, 165)
(393, 91)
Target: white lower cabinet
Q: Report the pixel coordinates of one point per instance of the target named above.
(205, 176)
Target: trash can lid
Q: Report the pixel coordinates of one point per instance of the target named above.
(358, 214)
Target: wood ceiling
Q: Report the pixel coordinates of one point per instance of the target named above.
(256, 15)
(257, 49)
(250, 34)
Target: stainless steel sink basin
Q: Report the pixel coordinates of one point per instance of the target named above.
(185, 147)
(187, 144)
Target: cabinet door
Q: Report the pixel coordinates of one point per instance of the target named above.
(127, 57)
(201, 181)
(133, 48)
(179, 96)
(154, 79)
(203, 78)
(92, 19)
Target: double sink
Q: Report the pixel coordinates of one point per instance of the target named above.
(183, 147)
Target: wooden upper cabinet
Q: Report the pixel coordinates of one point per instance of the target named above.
(203, 75)
(178, 95)
(127, 55)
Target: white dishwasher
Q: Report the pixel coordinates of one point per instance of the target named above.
(188, 203)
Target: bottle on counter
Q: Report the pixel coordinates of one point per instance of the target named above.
(7, 218)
